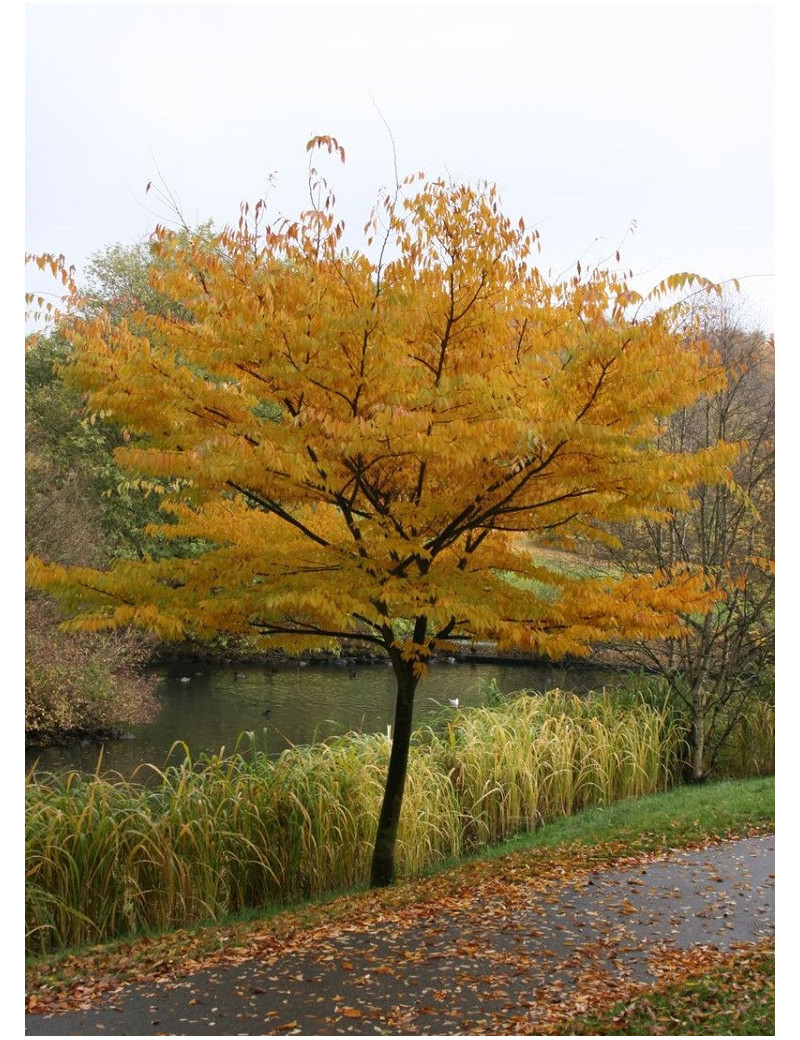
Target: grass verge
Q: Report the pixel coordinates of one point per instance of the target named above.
(734, 998)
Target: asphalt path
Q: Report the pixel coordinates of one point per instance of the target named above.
(494, 964)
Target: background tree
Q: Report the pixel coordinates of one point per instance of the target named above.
(119, 279)
(86, 684)
(361, 443)
(722, 661)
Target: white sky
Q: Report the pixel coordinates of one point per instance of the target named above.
(587, 116)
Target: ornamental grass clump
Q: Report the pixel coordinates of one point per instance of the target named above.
(539, 757)
(749, 749)
(227, 833)
(431, 828)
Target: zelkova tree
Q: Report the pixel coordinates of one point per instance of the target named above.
(373, 449)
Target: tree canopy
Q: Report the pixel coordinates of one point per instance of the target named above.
(371, 443)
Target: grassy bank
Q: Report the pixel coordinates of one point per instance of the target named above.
(228, 834)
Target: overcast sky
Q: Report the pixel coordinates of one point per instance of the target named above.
(591, 119)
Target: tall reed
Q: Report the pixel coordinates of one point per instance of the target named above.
(541, 757)
(749, 749)
(231, 832)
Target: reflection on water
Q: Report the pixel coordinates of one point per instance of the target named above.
(209, 709)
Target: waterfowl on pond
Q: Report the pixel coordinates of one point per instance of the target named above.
(185, 678)
(453, 702)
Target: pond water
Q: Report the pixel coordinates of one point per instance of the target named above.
(208, 708)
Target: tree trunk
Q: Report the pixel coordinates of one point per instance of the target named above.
(698, 745)
(386, 837)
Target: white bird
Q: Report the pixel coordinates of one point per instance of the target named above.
(453, 702)
(185, 678)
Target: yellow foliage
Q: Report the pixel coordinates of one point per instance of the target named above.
(358, 442)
